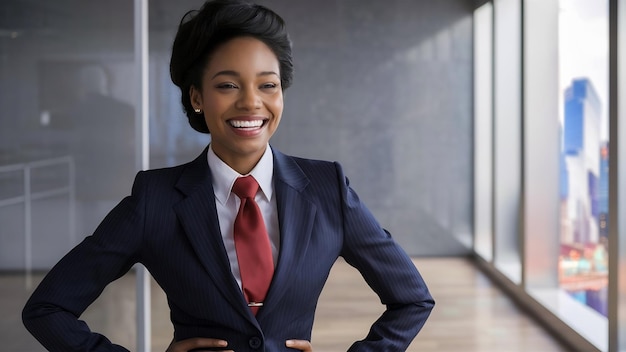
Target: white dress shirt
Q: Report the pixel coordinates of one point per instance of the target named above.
(228, 203)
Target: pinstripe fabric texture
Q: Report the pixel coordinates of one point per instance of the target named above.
(169, 223)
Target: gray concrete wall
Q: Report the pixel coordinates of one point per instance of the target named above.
(385, 88)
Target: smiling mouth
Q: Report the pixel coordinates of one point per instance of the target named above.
(248, 124)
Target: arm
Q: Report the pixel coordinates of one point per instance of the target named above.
(52, 313)
(389, 271)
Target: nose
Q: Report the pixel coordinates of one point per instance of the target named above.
(249, 99)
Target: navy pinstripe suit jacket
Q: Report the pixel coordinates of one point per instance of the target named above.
(169, 224)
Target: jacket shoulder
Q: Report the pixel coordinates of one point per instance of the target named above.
(313, 164)
(170, 177)
(319, 174)
(314, 168)
(163, 174)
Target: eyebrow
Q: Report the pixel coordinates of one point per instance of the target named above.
(236, 74)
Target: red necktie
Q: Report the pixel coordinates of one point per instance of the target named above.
(252, 244)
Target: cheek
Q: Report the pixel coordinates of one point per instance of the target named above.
(214, 106)
(276, 104)
(213, 101)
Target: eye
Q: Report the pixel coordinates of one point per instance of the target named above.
(269, 85)
(226, 86)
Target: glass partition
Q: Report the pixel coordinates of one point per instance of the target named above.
(541, 145)
(561, 178)
(67, 145)
(584, 188)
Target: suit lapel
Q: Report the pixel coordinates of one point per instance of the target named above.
(295, 215)
(198, 216)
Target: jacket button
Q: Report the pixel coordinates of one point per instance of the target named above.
(254, 343)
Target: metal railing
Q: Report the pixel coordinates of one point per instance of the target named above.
(29, 196)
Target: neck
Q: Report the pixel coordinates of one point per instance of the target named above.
(243, 164)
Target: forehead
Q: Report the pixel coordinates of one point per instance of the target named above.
(243, 54)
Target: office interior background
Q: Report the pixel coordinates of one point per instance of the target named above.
(487, 129)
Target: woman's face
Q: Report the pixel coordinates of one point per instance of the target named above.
(241, 99)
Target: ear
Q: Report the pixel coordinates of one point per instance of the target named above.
(196, 97)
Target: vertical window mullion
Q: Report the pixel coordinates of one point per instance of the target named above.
(142, 163)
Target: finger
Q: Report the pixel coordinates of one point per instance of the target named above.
(196, 343)
(302, 345)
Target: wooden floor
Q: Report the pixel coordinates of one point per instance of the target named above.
(470, 315)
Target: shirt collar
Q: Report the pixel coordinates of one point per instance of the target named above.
(224, 176)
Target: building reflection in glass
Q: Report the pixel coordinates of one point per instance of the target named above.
(583, 261)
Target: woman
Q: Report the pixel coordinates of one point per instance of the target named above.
(232, 61)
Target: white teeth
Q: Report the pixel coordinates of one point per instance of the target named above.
(246, 124)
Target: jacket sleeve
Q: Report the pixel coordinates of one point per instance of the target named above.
(389, 271)
(52, 313)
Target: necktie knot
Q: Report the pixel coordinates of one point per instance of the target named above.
(245, 187)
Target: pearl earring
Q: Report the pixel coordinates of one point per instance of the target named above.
(197, 110)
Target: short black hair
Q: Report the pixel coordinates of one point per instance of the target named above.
(201, 31)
